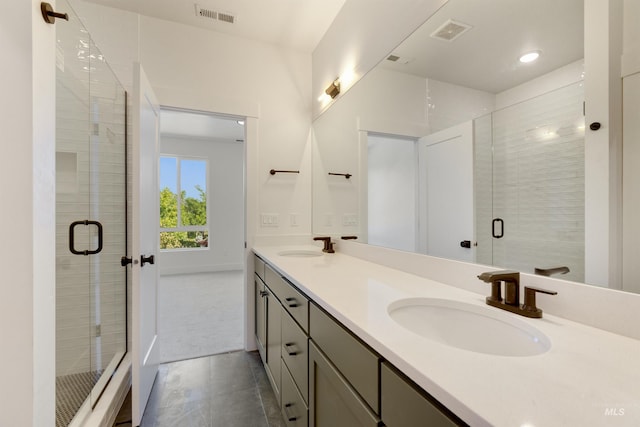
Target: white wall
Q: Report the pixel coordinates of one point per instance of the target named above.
(27, 258)
(449, 105)
(226, 206)
(204, 70)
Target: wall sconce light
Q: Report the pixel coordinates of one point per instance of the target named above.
(334, 89)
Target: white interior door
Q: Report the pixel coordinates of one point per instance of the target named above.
(446, 193)
(145, 351)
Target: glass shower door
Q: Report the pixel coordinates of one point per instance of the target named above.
(538, 183)
(90, 220)
(107, 181)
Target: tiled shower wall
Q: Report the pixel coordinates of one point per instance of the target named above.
(90, 184)
(537, 173)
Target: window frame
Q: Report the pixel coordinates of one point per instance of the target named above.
(185, 228)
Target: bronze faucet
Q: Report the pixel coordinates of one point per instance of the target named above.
(328, 244)
(552, 270)
(511, 300)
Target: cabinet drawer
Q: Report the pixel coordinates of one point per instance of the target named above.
(404, 404)
(292, 299)
(354, 360)
(332, 401)
(294, 408)
(295, 353)
(258, 266)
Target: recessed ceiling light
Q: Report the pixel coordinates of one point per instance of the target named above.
(530, 56)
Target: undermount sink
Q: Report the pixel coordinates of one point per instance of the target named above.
(300, 253)
(469, 327)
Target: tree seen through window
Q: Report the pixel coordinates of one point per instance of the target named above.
(183, 219)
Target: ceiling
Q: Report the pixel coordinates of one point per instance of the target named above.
(486, 56)
(296, 24)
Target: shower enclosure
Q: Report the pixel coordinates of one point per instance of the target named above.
(529, 184)
(91, 220)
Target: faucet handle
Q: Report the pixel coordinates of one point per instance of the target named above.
(328, 244)
(529, 305)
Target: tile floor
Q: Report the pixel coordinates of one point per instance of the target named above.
(229, 389)
(200, 314)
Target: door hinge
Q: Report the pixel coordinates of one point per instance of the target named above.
(98, 330)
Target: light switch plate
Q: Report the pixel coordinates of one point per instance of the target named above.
(350, 220)
(269, 220)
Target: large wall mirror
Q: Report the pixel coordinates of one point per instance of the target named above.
(454, 147)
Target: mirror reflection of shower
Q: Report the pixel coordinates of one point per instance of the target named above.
(521, 166)
(91, 221)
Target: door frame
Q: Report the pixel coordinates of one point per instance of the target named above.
(172, 98)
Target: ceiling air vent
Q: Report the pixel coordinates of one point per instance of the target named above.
(226, 17)
(399, 59)
(450, 30)
(202, 12)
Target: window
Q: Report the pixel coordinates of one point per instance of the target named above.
(183, 203)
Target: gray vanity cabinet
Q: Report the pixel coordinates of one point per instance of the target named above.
(355, 361)
(260, 307)
(343, 376)
(294, 301)
(332, 400)
(260, 316)
(282, 312)
(259, 267)
(295, 353)
(405, 404)
(294, 408)
(325, 376)
(274, 340)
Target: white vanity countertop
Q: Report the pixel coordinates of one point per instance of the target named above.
(589, 377)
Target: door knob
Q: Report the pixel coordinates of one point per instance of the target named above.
(149, 259)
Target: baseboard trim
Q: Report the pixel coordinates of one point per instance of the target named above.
(200, 269)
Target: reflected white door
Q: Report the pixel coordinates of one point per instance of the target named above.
(446, 193)
(145, 350)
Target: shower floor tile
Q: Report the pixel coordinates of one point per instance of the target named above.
(71, 392)
(229, 389)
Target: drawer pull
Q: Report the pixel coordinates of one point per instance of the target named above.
(288, 414)
(292, 302)
(290, 352)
